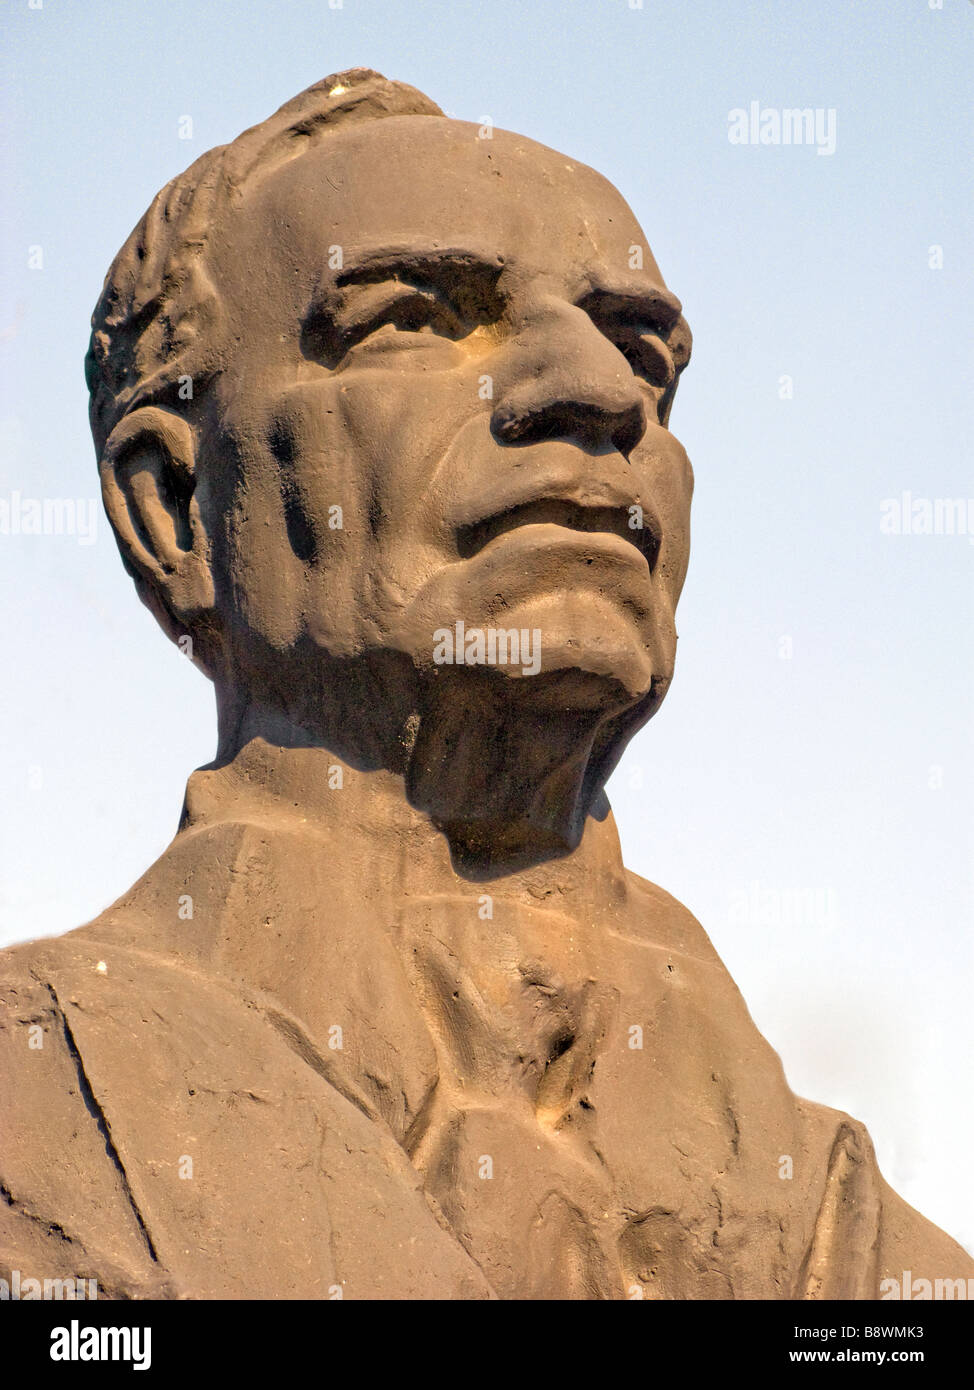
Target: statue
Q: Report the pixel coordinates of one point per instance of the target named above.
(381, 412)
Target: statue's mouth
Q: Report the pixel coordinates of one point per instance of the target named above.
(628, 523)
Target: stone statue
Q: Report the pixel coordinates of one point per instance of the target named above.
(380, 401)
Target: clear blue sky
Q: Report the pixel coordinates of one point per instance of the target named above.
(793, 803)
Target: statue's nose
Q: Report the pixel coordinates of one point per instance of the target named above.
(562, 378)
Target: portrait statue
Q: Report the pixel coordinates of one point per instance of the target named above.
(381, 406)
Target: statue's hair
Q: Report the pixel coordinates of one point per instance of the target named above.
(155, 321)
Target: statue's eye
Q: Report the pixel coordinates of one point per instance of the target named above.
(387, 310)
(414, 310)
(650, 332)
(650, 358)
(647, 354)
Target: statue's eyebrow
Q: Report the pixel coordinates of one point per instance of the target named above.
(435, 264)
(646, 303)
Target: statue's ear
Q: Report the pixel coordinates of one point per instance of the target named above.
(148, 481)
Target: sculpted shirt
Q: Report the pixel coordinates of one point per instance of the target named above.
(470, 1113)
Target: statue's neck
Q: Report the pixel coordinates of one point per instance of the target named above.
(364, 817)
(510, 776)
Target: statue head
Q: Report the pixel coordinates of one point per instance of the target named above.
(381, 403)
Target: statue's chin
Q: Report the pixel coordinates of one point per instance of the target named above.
(503, 766)
(507, 765)
(598, 689)
(482, 849)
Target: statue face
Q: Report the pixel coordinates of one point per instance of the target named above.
(459, 343)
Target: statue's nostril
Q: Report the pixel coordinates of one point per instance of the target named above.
(629, 432)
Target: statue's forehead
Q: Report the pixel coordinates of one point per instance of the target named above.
(429, 180)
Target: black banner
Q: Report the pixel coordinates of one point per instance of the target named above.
(166, 1338)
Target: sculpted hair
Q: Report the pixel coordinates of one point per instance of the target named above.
(156, 319)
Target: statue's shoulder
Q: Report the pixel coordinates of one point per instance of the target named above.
(658, 918)
(31, 973)
(68, 1211)
(160, 1127)
(48, 975)
(24, 960)
(917, 1260)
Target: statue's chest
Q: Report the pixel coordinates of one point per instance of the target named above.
(587, 1136)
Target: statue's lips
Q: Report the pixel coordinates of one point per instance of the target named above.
(602, 525)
